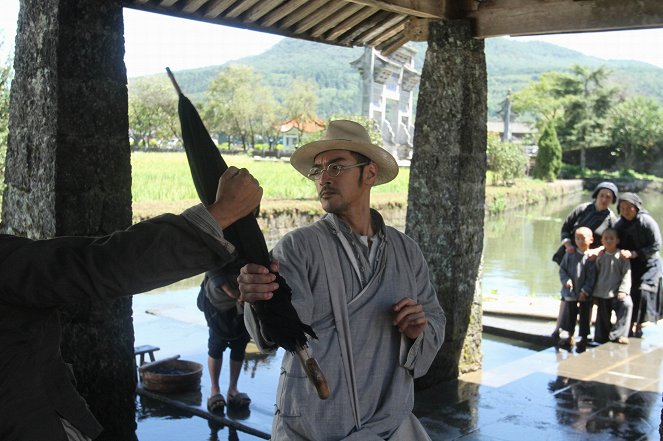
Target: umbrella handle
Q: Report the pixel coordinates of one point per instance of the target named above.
(172, 80)
(313, 372)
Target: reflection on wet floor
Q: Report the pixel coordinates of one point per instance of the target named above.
(523, 392)
(609, 392)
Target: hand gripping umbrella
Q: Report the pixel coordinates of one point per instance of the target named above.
(278, 318)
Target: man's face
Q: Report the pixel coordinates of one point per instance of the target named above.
(627, 210)
(338, 194)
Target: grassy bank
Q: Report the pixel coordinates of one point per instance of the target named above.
(166, 177)
(162, 183)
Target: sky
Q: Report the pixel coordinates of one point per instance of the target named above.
(154, 41)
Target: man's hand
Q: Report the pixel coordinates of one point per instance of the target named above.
(237, 195)
(410, 318)
(583, 296)
(256, 283)
(621, 296)
(569, 248)
(569, 284)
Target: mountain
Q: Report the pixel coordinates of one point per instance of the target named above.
(510, 64)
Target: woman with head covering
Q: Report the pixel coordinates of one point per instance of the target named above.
(595, 215)
(640, 241)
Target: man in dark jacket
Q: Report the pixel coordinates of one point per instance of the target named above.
(38, 398)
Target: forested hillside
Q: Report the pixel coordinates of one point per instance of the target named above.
(511, 64)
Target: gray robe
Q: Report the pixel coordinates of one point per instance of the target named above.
(369, 365)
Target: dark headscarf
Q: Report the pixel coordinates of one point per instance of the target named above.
(609, 186)
(631, 198)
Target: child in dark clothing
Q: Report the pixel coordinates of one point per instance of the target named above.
(578, 276)
(613, 285)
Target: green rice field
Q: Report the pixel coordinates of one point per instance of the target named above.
(166, 177)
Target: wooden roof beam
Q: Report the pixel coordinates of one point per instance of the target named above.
(280, 12)
(240, 8)
(375, 32)
(348, 11)
(216, 8)
(261, 9)
(530, 17)
(308, 8)
(350, 23)
(320, 16)
(434, 9)
(192, 6)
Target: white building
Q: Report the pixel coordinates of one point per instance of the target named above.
(387, 95)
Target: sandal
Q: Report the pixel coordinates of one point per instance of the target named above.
(239, 401)
(216, 403)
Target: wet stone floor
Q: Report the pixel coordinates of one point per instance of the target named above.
(610, 392)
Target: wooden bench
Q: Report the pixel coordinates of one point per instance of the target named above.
(145, 349)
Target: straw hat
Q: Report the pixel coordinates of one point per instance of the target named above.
(346, 135)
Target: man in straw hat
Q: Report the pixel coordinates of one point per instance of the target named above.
(365, 289)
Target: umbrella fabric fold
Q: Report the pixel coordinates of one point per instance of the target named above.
(278, 318)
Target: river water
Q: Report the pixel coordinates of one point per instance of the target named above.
(518, 246)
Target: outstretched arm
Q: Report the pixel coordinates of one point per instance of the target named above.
(153, 253)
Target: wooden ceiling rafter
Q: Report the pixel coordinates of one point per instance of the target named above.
(350, 37)
(323, 13)
(350, 23)
(239, 8)
(309, 7)
(281, 12)
(261, 9)
(371, 34)
(388, 24)
(217, 7)
(346, 11)
(191, 6)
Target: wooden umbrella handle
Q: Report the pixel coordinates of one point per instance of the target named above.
(172, 80)
(314, 373)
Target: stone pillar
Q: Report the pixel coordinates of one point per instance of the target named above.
(68, 173)
(447, 188)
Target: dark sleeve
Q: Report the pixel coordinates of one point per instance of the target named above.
(570, 222)
(150, 254)
(564, 275)
(651, 235)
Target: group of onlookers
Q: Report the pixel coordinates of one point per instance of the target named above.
(612, 262)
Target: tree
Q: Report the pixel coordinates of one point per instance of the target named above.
(239, 105)
(300, 103)
(153, 112)
(636, 128)
(506, 160)
(577, 102)
(540, 99)
(586, 108)
(549, 159)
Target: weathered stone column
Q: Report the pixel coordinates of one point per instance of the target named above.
(447, 187)
(68, 173)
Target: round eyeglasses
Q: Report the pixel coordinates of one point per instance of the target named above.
(332, 170)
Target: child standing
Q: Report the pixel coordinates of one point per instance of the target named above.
(613, 285)
(578, 276)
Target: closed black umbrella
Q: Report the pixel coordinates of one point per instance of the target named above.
(278, 318)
